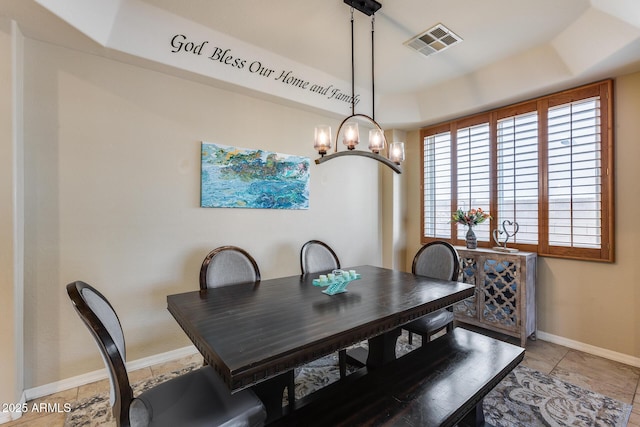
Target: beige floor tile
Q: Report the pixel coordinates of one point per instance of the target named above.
(175, 365)
(46, 420)
(604, 376)
(65, 396)
(544, 350)
(140, 375)
(12, 423)
(602, 387)
(24, 419)
(533, 362)
(634, 420)
(47, 411)
(543, 356)
(636, 398)
(91, 389)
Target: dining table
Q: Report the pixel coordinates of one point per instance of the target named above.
(254, 332)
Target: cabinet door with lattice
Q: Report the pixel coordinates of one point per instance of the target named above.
(468, 273)
(500, 294)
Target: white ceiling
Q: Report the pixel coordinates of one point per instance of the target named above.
(512, 50)
(318, 33)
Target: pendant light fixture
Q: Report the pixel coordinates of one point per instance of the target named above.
(350, 133)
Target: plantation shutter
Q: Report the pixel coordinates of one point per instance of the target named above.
(575, 174)
(517, 176)
(546, 163)
(473, 177)
(437, 185)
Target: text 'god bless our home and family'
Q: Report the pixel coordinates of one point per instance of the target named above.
(182, 45)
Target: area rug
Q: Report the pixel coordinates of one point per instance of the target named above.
(525, 398)
(530, 398)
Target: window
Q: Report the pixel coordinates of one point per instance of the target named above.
(574, 174)
(545, 164)
(473, 184)
(437, 182)
(517, 178)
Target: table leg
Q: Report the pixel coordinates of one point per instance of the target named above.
(270, 393)
(342, 363)
(382, 349)
(475, 417)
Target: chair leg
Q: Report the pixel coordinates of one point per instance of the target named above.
(410, 338)
(342, 362)
(426, 338)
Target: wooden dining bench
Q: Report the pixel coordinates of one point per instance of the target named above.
(442, 383)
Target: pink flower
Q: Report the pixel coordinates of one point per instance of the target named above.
(472, 217)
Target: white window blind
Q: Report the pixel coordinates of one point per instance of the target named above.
(575, 174)
(545, 163)
(517, 167)
(474, 174)
(437, 185)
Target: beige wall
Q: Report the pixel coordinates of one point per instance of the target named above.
(112, 198)
(11, 188)
(393, 204)
(587, 302)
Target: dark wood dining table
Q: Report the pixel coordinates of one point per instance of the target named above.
(251, 333)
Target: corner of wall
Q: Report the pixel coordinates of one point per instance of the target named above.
(11, 224)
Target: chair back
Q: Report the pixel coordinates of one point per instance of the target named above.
(316, 256)
(228, 265)
(103, 323)
(437, 259)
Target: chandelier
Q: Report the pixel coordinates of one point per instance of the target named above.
(351, 135)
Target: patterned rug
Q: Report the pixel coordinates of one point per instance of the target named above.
(530, 398)
(525, 398)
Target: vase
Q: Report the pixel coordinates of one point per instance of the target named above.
(472, 242)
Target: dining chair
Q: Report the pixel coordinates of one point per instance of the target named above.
(231, 265)
(439, 260)
(228, 265)
(199, 397)
(315, 257)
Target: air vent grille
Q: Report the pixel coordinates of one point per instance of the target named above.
(434, 40)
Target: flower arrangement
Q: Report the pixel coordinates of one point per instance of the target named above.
(470, 218)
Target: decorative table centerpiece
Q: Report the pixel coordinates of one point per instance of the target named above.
(470, 218)
(336, 281)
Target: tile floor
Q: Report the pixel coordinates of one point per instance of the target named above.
(607, 377)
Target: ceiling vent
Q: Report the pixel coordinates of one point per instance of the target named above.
(434, 40)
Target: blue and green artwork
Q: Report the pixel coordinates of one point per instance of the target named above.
(235, 177)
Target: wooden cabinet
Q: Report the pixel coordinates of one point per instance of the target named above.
(505, 298)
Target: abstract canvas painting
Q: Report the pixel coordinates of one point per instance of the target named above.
(235, 177)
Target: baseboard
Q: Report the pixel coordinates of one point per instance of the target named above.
(591, 349)
(161, 358)
(5, 417)
(89, 377)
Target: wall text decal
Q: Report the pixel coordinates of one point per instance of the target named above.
(180, 44)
